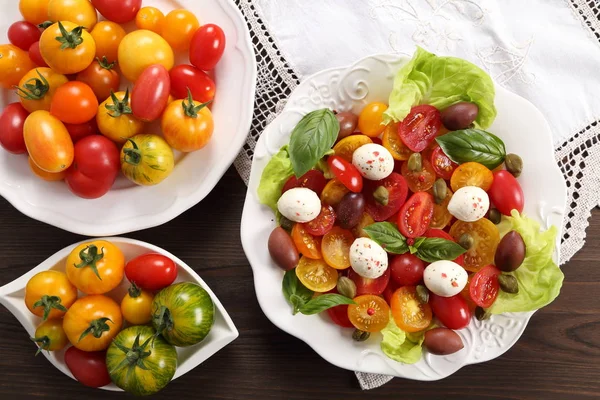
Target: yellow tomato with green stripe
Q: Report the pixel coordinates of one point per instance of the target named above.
(183, 313)
(147, 159)
(139, 362)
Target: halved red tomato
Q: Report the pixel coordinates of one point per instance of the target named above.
(438, 233)
(484, 286)
(313, 180)
(420, 127)
(397, 192)
(415, 215)
(323, 223)
(346, 173)
(308, 245)
(369, 286)
(339, 316)
(409, 313)
(442, 164)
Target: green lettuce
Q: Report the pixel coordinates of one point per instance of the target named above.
(401, 346)
(441, 82)
(539, 277)
(274, 176)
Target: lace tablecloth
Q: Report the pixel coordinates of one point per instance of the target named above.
(545, 50)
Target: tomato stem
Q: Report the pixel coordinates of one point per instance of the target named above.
(43, 343)
(134, 291)
(89, 257)
(119, 107)
(69, 40)
(45, 25)
(163, 320)
(49, 302)
(35, 89)
(104, 63)
(134, 356)
(132, 156)
(190, 109)
(96, 328)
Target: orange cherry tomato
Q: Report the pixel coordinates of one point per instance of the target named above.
(370, 313)
(485, 241)
(391, 141)
(47, 176)
(409, 313)
(79, 12)
(307, 244)
(346, 147)
(178, 29)
(48, 294)
(108, 36)
(37, 88)
(187, 125)
(371, 118)
(365, 220)
(74, 58)
(420, 181)
(150, 18)
(335, 247)
(96, 267)
(48, 142)
(14, 64)
(34, 11)
(333, 192)
(316, 275)
(472, 174)
(441, 216)
(102, 77)
(74, 103)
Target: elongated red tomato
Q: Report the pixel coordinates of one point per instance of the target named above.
(397, 190)
(339, 316)
(12, 120)
(484, 286)
(415, 215)
(151, 271)
(23, 34)
(119, 11)
(420, 127)
(150, 95)
(506, 193)
(36, 56)
(313, 180)
(207, 47)
(346, 173)
(453, 311)
(201, 85)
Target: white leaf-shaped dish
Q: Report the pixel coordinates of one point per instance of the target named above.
(524, 131)
(127, 207)
(222, 333)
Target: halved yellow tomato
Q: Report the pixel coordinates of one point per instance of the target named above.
(346, 147)
(365, 220)
(409, 313)
(333, 192)
(336, 247)
(485, 241)
(472, 174)
(370, 313)
(441, 216)
(391, 141)
(316, 275)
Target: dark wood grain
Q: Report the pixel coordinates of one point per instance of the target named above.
(558, 356)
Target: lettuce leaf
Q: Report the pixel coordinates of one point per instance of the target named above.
(441, 82)
(539, 277)
(274, 176)
(401, 346)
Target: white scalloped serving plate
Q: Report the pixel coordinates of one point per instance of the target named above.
(222, 333)
(523, 129)
(127, 207)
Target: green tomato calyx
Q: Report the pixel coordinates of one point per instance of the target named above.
(34, 88)
(134, 356)
(190, 109)
(133, 155)
(119, 107)
(97, 328)
(89, 257)
(43, 343)
(49, 302)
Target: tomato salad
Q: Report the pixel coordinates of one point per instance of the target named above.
(73, 121)
(407, 219)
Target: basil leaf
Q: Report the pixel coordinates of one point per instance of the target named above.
(387, 236)
(323, 302)
(473, 145)
(436, 249)
(314, 136)
(294, 291)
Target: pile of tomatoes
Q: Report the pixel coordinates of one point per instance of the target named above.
(95, 324)
(73, 120)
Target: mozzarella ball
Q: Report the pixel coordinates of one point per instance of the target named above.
(367, 258)
(445, 278)
(299, 205)
(469, 204)
(373, 161)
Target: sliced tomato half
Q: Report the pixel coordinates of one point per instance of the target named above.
(397, 189)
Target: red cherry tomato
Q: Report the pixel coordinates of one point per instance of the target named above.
(36, 55)
(339, 316)
(438, 233)
(442, 164)
(369, 286)
(506, 193)
(119, 11)
(415, 215)
(151, 271)
(207, 47)
(484, 286)
(346, 173)
(420, 127)
(407, 269)
(323, 223)
(150, 95)
(79, 131)
(389, 291)
(397, 192)
(12, 120)
(453, 311)
(23, 34)
(88, 367)
(95, 167)
(313, 180)
(200, 84)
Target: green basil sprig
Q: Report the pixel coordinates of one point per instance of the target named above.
(301, 298)
(311, 139)
(427, 249)
(473, 145)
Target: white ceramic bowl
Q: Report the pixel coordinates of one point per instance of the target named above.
(222, 333)
(519, 124)
(128, 207)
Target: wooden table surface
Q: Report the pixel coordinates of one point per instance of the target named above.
(558, 357)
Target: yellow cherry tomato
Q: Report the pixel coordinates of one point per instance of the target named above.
(14, 64)
(391, 141)
(345, 148)
(79, 12)
(92, 322)
(187, 124)
(36, 89)
(47, 176)
(178, 29)
(34, 11)
(108, 35)
(48, 294)
(115, 118)
(96, 267)
(136, 306)
(50, 336)
(316, 275)
(141, 49)
(150, 18)
(67, 48)
(147, 159)
(370, 119)
(48, 142)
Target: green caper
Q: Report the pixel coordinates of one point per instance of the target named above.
(440, 191)
(415, 164)
(422, 294)
(466, 241)
(360, 336)
(346, 287)
(514, 164)
(481, 314)
(508, 283)
(382, 195)
(495, 216)
(285, 223)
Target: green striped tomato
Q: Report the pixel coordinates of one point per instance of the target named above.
(133, 346)
(183, 313)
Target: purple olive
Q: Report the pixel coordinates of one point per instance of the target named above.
(282, 249)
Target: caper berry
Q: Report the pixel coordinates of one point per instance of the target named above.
(382, 195)
(466, 241)
(360, 336)
(495, 216)
(286, 223)
(481, 314)
(508, 283)
(440, 191)
(514, 164)
(346, 287)
(422, 294)
(415, 163)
